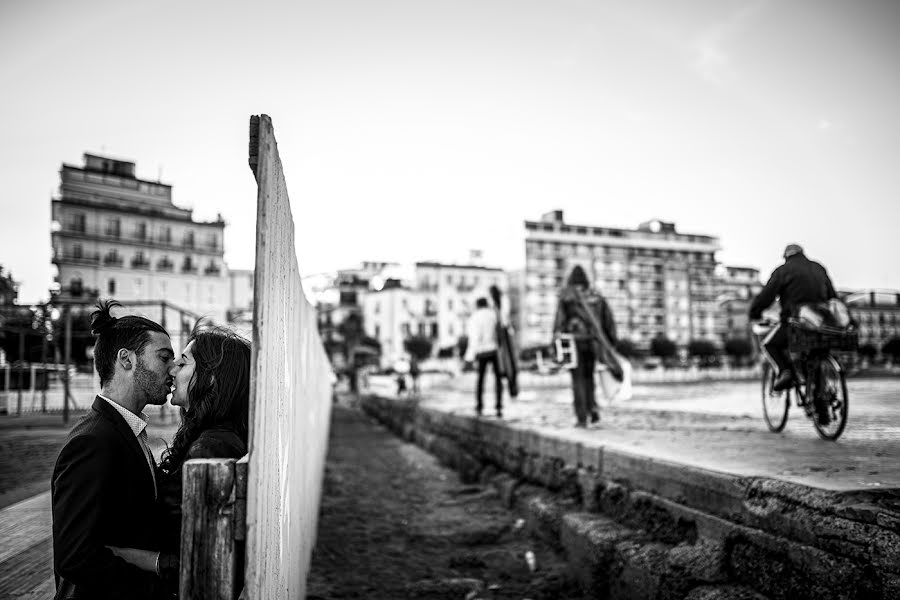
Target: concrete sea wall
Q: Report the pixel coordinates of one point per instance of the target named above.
(635, 526)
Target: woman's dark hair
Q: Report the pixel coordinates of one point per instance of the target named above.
(130, 332)
(219, 392)
(578, 277)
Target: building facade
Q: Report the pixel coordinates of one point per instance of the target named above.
(449, 293)
(392, 315)
(656, 280)
(737, 287)
(115, 235)
(877, 313)
(433, 300)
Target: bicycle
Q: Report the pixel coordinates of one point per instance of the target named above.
(820, 387)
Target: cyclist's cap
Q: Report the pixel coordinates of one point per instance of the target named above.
(792, 249)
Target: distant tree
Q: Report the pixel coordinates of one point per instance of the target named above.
(370, 342)
(418, 346)
(8, 289)
(702, 348)
(868, 351)
(627, 348)
(663, 347)
(892, 347)
(351, 332)
(738, 348)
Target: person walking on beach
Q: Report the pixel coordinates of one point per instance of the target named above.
(482, 348)
(585, 315)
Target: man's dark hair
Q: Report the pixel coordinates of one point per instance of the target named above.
(129, 332)
(481, 303)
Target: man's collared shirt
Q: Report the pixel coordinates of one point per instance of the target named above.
(138, 426)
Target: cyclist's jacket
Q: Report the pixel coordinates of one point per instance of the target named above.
(797, 282)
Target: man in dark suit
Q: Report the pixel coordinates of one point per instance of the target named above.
(104, 481)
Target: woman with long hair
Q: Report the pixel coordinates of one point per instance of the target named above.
(212, 387)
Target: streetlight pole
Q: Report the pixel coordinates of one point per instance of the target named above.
(21, 372)
(66, 356)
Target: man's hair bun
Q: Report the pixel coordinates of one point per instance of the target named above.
(102, 319)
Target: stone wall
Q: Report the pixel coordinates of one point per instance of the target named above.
(627, 520)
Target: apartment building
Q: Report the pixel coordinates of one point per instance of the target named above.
(115, 235)
(737, 286)
(657, 281)
(877, 312)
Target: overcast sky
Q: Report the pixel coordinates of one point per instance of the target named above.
(418, 129)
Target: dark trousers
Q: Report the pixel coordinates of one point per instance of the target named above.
(776, 346)
(483, 361)
(584, 397)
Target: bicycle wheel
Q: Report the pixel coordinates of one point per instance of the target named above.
(775, 404)
(831, 400)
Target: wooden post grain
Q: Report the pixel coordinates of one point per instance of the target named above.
(208, 557)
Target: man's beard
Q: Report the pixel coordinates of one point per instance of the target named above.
(145, 380)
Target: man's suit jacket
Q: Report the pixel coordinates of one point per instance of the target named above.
(103, 495)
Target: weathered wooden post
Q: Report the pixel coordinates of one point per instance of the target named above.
(208, 557)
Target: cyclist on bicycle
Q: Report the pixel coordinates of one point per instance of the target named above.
(797, 282)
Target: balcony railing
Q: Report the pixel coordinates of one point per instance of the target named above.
(83, 258)
(212, 270)
(140, 263)
(113, 260)
(165, 265)
(159, 241)
(188, 268)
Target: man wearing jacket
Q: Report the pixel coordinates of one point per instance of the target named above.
(104, 482)
(797, 282)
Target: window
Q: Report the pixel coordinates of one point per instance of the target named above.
(188, 265)
(434, 330)
(188, 239)
(77, 251)
(113, 228)
(165, 235)
(213, 241)
(212, 268)
(76, 287)
(78, 222)
(111, 287)
(140, 231)
(377, 332)
(405, 329)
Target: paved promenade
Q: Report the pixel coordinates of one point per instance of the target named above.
(26, 546)
(719, 426)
